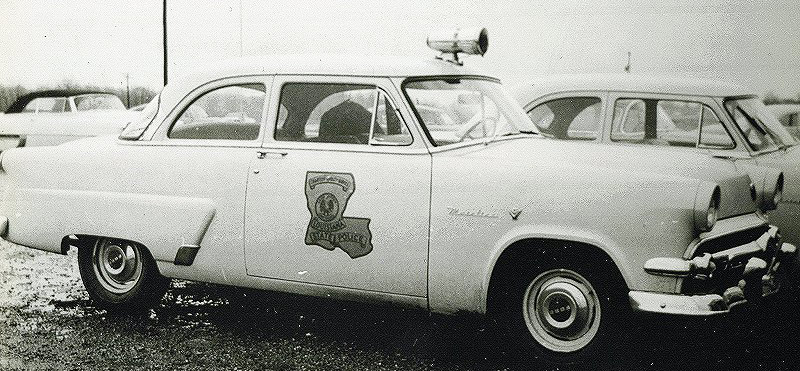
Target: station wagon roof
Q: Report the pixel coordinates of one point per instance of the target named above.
(533, 89)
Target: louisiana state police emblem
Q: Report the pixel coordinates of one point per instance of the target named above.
(327, 195)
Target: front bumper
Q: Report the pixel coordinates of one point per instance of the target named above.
(749, 272)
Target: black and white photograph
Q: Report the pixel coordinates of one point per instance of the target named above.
(399, 185)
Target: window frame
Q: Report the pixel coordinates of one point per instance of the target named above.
(160, 135)
(600, 114)
(604, 101)
(704, 103)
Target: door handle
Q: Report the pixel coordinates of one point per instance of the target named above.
(276, 154)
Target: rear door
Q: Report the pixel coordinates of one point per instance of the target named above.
(339, 194)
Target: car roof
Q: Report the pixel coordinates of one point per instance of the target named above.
(328, 64)
(24, 99)
(533, 89)
(310, 64)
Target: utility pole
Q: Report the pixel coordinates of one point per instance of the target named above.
(164, 19)
(241, 47)
(128, 89)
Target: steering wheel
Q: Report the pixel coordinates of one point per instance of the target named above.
(465, 129)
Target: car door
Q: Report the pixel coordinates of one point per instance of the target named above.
(339, 194)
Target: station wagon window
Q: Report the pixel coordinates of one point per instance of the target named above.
(339, 113)
(568, 118)
(667, 123)
(227, 113)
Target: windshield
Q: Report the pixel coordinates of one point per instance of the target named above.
(758, 124)
(135, 128)
(89, 102)
(455, 110)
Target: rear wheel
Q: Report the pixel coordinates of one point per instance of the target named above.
(120, 275)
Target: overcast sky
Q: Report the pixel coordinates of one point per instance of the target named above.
(755, 43)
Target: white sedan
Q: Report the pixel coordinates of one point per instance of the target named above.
(47, 118)
(323, 176)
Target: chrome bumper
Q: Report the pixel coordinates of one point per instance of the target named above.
(764, 265)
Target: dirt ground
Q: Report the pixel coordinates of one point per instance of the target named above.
(48, 322)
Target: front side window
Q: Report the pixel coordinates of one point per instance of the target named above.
(338, 113)
(667, 123)
(760, 127)
(456, 109)
(227, 113)
(568, 118)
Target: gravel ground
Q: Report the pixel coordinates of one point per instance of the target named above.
(48, 322)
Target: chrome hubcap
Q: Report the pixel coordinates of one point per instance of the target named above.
(561, 310)
(117, 265)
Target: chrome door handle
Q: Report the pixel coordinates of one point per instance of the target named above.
(264, 154)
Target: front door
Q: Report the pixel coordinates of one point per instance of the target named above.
(339, 195)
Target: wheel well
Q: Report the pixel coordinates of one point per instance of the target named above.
(530, 253)
(76, 240)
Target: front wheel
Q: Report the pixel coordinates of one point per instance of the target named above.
(566, 315)
(120, 275)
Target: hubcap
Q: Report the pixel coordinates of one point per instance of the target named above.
(117, 265)
(561, 310)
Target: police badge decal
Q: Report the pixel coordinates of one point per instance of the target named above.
(326, 197)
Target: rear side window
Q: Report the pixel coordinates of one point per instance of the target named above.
(569, 118)
(228, 113)
(338, 113)
(46, 104)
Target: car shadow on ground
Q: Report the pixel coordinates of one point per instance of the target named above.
(370, 336)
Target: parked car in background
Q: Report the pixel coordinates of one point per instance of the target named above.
(56, 116)
(324, 176)
(789, 116)
(714, 118)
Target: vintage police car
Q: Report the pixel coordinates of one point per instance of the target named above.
(675, 114)
(322, 176)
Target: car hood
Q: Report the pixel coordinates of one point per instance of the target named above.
(734, 184)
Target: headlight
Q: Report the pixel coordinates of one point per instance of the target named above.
(711, 214)
(772, 191)
(778, 196)
(706, 206)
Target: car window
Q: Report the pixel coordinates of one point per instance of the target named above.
(629, 121)
(46, 104)
(227, 113)
(91, 102)
(338, 113)
(713, 132)
(760, 127)
(388, 128)
(568, 118)
(667, 123)
(462, 109)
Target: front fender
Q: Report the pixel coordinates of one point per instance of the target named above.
(631, 272)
